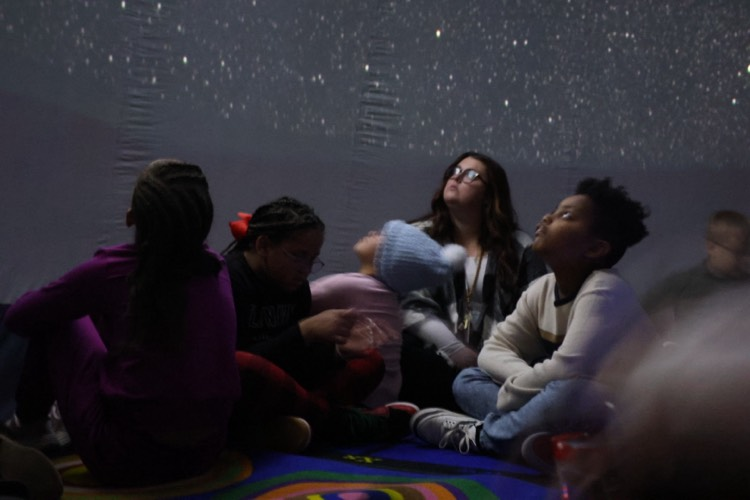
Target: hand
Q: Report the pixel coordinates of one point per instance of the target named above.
(464, 358)
(331, 325)
(459, 355)
(365, 336)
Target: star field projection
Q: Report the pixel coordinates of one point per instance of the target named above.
(600, 81)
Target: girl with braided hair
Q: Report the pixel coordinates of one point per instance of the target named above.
(293, 377)
(137, 344)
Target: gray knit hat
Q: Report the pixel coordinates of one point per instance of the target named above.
(407, 259)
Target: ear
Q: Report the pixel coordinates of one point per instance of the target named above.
(129, 218)
(598, 249)
(263, 245)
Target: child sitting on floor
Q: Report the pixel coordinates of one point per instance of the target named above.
(294, 380)
(724, 268)
(136, 345)
(535, 373)
(398, 259)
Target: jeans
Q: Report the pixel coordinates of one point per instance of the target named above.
(570, 405)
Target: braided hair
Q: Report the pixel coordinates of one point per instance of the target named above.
(173, 213)
(277, 220)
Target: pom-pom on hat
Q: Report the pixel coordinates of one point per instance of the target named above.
(407, 259)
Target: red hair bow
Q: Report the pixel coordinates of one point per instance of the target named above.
(239, 227)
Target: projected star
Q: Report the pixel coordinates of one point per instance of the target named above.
(536, 83)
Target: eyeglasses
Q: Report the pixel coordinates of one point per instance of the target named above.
(468, 176)
(315, 264)
(740, 253)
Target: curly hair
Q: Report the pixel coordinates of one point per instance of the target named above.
(618, 219)
(499, 219)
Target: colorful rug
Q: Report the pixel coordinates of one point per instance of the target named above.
(407, 470)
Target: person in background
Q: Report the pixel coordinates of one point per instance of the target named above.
(445, 326)
(137, 344)
(680, 431)
(295, 383)
(725, 267)
(536, 373)
(393, 261)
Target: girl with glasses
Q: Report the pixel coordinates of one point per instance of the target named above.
(295, 384)
(446, 326)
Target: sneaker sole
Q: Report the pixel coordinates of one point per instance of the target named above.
(294, 435)
(403, 405)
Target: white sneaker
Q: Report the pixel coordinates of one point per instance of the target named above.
(41, 435)
(444, 428)
(56, 426)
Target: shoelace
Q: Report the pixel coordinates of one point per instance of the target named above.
(457, 433)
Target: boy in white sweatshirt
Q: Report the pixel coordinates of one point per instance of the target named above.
(536, 372)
